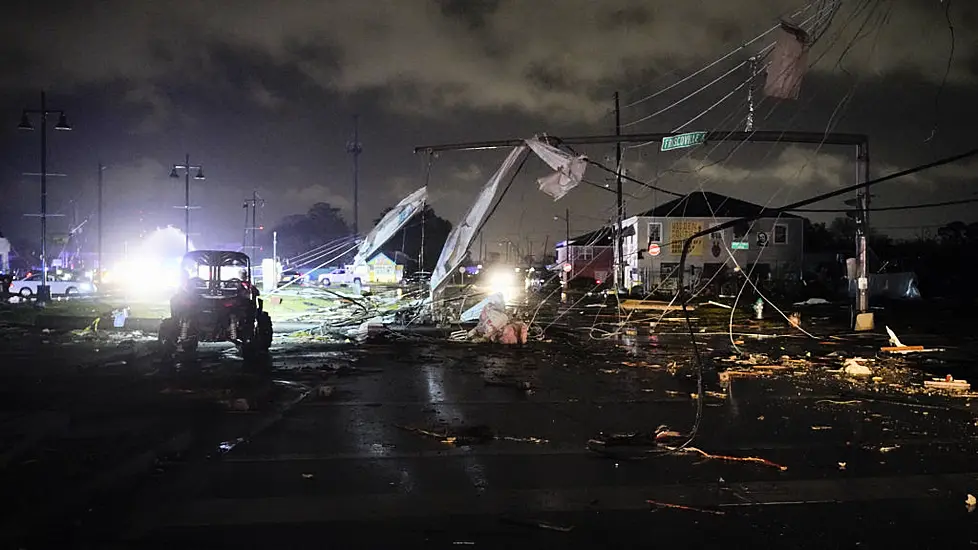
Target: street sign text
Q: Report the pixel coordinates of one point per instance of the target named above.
(683, 140)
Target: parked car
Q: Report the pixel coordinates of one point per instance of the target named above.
(27, 286)
(341, 276)
(290, 275)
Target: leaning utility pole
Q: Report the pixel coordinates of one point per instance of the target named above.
(860, 141)
(619, 240)
(355, 148)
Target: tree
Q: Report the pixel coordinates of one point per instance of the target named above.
(405, 246)
(300, 233)
(819, 238)
(955, 233)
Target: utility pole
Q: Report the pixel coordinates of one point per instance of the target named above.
(862, 229)
(186, 167)
(355, 148)
(254, 202)
(101, 266)
(619, 240)
(567, 227)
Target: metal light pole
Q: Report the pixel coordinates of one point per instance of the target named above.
(43, 290)
(186, 167)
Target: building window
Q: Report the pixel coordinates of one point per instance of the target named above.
(655, 232)
(780, 234)
(584, 253)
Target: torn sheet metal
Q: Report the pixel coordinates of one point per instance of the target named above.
(459, 240)
(569, 169)
(391, 223)
(789, 62)
(474, 313)
(896, 286)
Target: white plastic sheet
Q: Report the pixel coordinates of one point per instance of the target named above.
(569, 170)
(789, 62)
(459, 240)
(390, 224)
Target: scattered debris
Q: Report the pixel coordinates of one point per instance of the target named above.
(813, 302)
(896, 346)
(755, 460)
(538, 524)
(469, 435)
(795, 320)
(495, 326)
(718, 304)
(854, 366)
(474, 313)
(323, 391)
(656, 305)
(842, 465)
(308, 476)
(971, 502)
(948, 384)
(886, 449)
(683, 507)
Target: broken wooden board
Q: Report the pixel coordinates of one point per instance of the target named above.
(651, 305)
(953, 385)
(901, 349)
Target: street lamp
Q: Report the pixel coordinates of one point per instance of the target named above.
(186, 167)
(43, 290)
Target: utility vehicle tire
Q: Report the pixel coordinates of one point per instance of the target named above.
(263, 333)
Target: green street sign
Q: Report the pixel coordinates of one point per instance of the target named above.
(740, 246)
(683, 140)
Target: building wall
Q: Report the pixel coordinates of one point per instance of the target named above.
(592, 262)
(782, 255)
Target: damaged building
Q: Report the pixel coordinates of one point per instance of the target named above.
(653, 241)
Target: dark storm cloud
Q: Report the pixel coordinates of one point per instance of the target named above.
(551, 58)
(176, 76)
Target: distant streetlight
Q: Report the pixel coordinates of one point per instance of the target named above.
(186, 167)
(43, 290)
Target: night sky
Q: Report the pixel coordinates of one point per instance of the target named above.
(263, 95)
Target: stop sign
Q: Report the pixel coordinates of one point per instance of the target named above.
(654, 249)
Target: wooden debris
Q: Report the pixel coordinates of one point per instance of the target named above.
(755, 460)
(682, 507)
(656, 305)
(949, 385)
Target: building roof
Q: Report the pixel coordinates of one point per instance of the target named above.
(598, 237)
(706, 204)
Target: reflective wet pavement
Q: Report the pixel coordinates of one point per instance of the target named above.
(309, 466)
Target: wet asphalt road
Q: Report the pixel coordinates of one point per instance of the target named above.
(131, 453)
